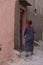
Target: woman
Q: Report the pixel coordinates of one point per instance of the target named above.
(29, 38)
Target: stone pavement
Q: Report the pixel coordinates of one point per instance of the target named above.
(36, 59)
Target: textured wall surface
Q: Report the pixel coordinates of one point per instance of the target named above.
(38, 18)
(7, 19)
(17, 26)
(39, 6)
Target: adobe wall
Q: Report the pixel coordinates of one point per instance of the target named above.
(7, 19)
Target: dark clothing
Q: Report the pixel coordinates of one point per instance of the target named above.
(29, 33)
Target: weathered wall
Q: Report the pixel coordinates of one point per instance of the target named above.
(37, 22)
(32, 2)
(17, 26)
(37, 19)
(7, 19)
(39, 6)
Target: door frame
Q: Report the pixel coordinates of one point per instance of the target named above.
(21, 24)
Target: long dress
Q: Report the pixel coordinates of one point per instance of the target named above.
(29, 39)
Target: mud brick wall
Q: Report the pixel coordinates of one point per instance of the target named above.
(7, 19)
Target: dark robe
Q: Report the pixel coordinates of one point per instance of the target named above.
(29, 39)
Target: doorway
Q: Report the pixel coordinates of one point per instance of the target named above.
(21, 26)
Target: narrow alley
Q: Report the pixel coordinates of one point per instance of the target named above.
(14, 18)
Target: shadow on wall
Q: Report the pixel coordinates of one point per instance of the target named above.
(16, 27)
(38, 24)
(39, 27)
